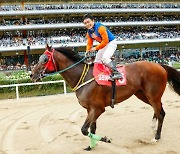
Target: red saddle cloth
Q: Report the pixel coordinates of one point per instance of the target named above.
(102, 74)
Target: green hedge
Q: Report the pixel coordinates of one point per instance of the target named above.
(176, 65)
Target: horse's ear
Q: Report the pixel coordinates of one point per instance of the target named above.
(48, 47)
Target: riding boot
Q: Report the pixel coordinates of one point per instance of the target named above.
(115, 73)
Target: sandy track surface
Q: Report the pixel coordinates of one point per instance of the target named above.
(52, 125)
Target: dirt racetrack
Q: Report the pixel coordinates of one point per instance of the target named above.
(52, 125)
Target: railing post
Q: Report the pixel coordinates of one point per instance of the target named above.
(65, 87)
(17, 92)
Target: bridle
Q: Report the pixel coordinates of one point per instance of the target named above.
(50, 64)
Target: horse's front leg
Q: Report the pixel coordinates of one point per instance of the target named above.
(93, 131)
(93, 128)
(85, 128)
(93, 114)
(90, 121)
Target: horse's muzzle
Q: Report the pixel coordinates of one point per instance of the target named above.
(36, 78)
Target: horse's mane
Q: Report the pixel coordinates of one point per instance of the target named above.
(70, 53)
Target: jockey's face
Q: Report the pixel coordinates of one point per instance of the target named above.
(88, 23)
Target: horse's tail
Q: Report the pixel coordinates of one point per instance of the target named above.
(173, 77)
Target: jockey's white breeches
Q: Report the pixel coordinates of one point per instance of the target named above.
(104, 55)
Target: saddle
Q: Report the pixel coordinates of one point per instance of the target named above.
(102, 74)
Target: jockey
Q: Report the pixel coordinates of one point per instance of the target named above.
(107, 44)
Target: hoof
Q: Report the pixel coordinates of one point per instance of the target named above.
(154, 140)
(88, 148)
(105, 139)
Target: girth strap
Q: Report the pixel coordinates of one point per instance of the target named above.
(113, 93)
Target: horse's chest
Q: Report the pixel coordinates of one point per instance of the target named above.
(83, 101)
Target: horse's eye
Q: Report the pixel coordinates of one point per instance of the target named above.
(43, 59)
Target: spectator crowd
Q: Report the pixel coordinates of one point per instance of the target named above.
(77, 19)
(89, 6)
(64, 36)
(77, 35)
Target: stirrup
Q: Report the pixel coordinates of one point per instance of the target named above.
(115, 77)
(110, 78)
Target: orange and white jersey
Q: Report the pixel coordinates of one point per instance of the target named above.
(99, 33)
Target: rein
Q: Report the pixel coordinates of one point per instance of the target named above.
(83, 75)
(67, 68)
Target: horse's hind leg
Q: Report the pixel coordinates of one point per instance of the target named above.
(159, 114)
(160, 123)
(141, 96)
(154, 124)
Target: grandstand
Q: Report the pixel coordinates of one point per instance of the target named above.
(141, 27)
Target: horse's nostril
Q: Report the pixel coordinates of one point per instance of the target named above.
(31, 75)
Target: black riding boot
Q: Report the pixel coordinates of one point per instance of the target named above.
(115, 73)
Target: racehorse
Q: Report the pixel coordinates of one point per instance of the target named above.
(145, 80)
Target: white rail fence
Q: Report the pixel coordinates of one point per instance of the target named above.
(36, 83)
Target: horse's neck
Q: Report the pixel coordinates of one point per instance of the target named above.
(73, 75)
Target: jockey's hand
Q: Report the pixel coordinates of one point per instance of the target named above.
(92, 49)
(88, 58)
(87, 54)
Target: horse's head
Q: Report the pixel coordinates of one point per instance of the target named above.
(46, 64)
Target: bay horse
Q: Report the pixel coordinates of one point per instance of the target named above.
(145, 80)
